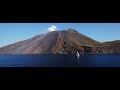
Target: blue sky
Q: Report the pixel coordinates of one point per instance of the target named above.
(14, 32)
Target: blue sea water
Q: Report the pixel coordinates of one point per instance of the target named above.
(85, 60)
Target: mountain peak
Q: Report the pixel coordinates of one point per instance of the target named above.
(72, 30)
(61, 42)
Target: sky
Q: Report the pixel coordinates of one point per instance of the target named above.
(14, 32)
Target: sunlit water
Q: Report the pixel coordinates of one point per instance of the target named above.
(110, 60)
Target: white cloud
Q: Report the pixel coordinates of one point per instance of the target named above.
(52, 28)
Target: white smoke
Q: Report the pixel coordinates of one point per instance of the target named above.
(52, 28)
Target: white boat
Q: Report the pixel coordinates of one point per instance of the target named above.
(78, 54)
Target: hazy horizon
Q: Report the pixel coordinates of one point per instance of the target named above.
(14, 32)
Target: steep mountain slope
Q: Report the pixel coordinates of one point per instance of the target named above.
(71, 41)
(36, 45)
(61, 42)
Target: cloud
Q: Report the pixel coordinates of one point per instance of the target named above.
(52, 28)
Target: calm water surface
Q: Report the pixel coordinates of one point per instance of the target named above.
(110, 60)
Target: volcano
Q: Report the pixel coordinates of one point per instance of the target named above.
(61, 42)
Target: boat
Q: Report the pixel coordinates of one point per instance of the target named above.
(78, 54)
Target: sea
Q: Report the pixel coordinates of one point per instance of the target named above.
(60, 60)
